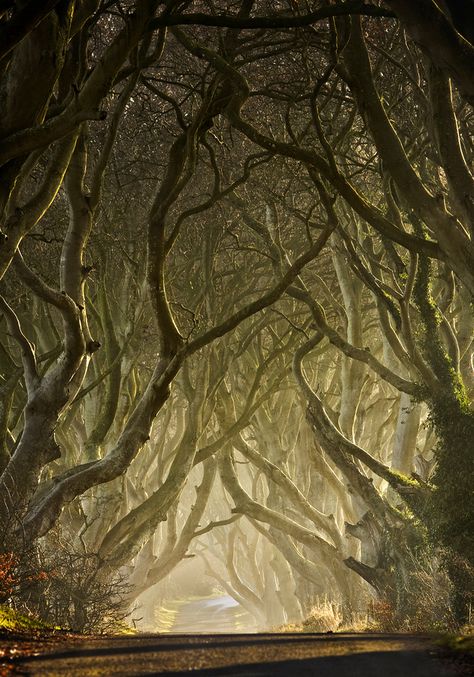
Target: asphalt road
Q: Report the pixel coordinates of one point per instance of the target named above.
(263, 655)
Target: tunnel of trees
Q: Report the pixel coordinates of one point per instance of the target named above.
(236, 306)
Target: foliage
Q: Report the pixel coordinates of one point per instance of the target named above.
(18, 577)
(12, 621)
(8, 579)
(381, 616)
(450, 512)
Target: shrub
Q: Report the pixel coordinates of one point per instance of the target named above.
(381, 616)
(324, 617)
(8, 575)
(18, 576)
(81, 593)
(63, 587)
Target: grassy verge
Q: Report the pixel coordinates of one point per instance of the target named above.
(12, 622)
(463, 644)
(458, 650)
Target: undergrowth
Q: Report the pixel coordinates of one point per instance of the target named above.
(12, 621)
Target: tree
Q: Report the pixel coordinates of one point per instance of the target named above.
(171, 177)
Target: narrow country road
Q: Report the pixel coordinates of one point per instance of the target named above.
(263, 655)
(215, 615)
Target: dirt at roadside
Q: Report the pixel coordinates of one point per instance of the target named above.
(459, 653)
(22, 645)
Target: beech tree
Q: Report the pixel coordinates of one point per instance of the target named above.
(236, 252)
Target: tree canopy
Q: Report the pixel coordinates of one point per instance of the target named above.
(237, 272)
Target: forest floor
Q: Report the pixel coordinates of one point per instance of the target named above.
(252, 655)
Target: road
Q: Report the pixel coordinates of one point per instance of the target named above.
(213, 615)
(262, 655)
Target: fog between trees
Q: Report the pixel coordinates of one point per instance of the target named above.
(237, 278)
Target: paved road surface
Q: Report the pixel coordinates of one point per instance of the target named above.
(214, 615)
(243, 655)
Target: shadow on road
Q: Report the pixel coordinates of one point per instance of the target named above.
(148, 644)
(270, 655)
(371, 664)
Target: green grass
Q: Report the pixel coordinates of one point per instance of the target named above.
(12, 621)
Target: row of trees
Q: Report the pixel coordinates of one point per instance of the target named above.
(237, 270)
